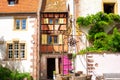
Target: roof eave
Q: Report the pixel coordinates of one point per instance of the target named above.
(18, 12)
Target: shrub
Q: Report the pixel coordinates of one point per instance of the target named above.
(6, 73)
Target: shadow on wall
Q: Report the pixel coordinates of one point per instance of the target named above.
(11, 64)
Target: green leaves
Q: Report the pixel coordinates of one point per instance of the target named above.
(100, 40)
(115, 40)
(6, 73)
(100, 16)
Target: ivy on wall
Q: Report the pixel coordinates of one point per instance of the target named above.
(101, 41)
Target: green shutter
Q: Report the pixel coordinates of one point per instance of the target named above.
(44, 39)
(60, 39)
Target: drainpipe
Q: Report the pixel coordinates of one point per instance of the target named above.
(73, 34)
(38, 26)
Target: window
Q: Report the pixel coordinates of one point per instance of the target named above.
(20, 24)
(52, 39)
(51, 21)
(56, 21)
(16, 50)
(12, 2)
(109, 7)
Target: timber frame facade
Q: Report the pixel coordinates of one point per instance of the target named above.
(53, 42)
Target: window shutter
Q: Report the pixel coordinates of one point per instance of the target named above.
(44, 39)
(60, 39)
(46, 21)
(61, 20)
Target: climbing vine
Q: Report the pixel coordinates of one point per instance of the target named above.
(98, 36)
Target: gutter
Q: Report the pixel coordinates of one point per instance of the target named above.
(17, 13)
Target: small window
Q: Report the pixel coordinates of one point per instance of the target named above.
(20, 24)
(12, 2)
(55, 39)
(50, 21)
(16, 50)
(56, 21)
(109, 7)
(52, 39)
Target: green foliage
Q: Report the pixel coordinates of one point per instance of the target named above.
(115, 41)
(6, 74)
(114, 17)
(94, 30)
(100, 40)
(93, 19)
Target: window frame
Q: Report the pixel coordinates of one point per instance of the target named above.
(12, 2)
(14, 48)
(109, 2)
(54, 39)
(21, 24)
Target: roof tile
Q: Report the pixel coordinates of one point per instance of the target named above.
(54, 6)
(22, 6)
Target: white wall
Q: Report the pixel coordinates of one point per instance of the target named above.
(8, 34)
(87, 7)
(107, 63)
(90, 7)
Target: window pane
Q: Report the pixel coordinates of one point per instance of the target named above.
(56, 21)
(10, 52)
(51, 21)
(11, 2)
(23, 23)
(109, 7)
(16, 45)
(49, 40)
(55, 39)
(22, 50)
(16, 54)
(16, 49)
(17, 26)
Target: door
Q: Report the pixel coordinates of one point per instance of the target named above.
(50, 67)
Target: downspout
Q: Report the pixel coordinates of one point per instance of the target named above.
(38, 25)
(73, 33)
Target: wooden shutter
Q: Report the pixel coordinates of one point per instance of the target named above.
(61, 20)
(44, 39)
(46, 21)
(60, 39)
